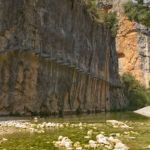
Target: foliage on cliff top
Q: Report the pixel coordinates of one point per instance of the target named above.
(138, 12)
(136, 93)
(101, 16)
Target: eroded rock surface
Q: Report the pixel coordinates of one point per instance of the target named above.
(129, 60)
(55, 58)
(133, 47)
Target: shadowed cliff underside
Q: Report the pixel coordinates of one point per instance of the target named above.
(55, 58)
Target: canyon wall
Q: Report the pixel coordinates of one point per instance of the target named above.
(133, 46)
(55, 59)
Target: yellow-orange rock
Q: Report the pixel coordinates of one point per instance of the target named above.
(129, 49)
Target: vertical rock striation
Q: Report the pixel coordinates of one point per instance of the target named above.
(143, 43)
(54, 58)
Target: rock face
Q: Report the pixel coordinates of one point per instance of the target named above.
(129, 61)
(143, 43)
(133, 48)
(55, 59)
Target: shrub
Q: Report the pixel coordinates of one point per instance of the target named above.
(138, 12)
(137, 95)
(107, 18)
(112, 22)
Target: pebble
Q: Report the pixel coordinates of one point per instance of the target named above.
(118, 124)
(120, 146)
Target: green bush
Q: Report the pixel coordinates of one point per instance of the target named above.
(137, 95)
(107, 18)
(138, 12)
(112, 22)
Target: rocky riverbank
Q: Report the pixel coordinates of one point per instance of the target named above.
(40, 133)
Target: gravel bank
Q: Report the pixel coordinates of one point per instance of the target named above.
(144, 111)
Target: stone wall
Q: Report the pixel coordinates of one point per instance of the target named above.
(55, 59)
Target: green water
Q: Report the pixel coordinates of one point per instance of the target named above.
(43, 141)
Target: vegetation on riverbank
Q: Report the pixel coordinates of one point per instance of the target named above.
(138, 12)
(137, 95)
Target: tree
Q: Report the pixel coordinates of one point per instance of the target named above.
(140, 1)
(138, 12)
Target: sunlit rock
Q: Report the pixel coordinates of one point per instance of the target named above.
(101, 139)
(87, 137)
(92, 144)
(117, 124)
(63, 142)
(120, 146)
(35, 119)
(90, 132)
(113, 140)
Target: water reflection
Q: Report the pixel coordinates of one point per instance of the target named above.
(99, 117)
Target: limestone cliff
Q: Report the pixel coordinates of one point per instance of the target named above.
(54, 58)
(127, 48)
(133, 47)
